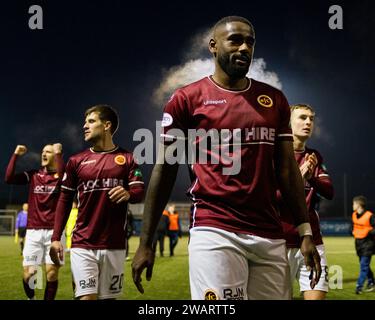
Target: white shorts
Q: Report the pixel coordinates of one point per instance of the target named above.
(98, 272)
(299, 271)
(232, 266)
(37, 245)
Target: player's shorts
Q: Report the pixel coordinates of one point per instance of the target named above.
(37, 245)
(299, 271)
(98, 272)
(232, 266)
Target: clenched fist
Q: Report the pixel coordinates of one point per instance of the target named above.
(20, 150)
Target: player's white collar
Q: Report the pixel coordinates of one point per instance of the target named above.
(104, 152)
(227, 90)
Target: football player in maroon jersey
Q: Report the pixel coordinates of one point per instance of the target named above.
(236, 247)
(106, 179)
(318, 185)
(44, 188)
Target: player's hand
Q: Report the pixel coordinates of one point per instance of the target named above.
(56, 252)
(20, 150)
(118, 194)
(308, 166)
(57, 148)
(312, 260)
(313, 162)
(144, 258)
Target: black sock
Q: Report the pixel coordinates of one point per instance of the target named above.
(29, 292)
(50, 291)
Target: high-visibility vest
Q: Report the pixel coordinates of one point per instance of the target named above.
(173, 222)
(361, 225)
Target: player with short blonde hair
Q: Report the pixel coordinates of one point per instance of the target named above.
(317, 185)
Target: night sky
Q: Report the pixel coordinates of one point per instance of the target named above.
(118, 53)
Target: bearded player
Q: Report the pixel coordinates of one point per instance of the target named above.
(236, 248)
(318, 185)
(44, 188)
(106, 179)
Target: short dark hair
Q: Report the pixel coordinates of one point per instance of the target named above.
(106, 113)
(231, 19)
(362, 200)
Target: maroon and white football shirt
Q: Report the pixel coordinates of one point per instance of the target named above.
(100, 222)
(44, 188)
(259, 117)
(320, 185)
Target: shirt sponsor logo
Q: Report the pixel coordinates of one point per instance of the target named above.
(233, 294)
(100, 184)
(88, 162)
(265, 101)
(120, 160)
(209, 102)
(45, 189)
(167, 120)
(210, 294)
(260, 134)
(89, 283)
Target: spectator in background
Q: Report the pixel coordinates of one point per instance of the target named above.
(161, 232)
(363, 232)
(174, 229)
(21, 223)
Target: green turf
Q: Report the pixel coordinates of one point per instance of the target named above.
(170, 279)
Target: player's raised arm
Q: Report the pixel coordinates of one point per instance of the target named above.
(10, 176)
(291, 187)
(60, 165)
(160, 186)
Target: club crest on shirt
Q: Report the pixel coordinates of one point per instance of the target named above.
(120, 160)
(56, 175)
(210, 294)
(265, 101)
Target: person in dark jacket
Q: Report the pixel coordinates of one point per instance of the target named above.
(161, 232)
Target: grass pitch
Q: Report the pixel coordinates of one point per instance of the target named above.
(170, 279)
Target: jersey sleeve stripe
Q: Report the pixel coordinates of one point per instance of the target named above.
(135, 182)
(70, 189)
(323, 175)
(27, 176)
